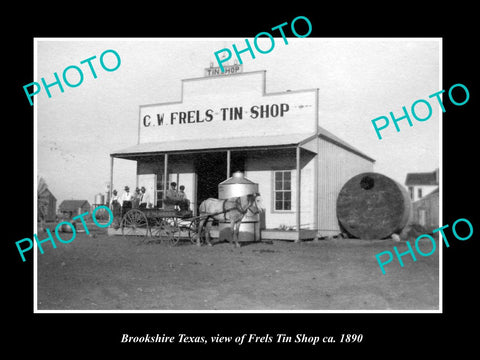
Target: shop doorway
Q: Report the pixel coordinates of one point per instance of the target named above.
(237, 161)
(211, 169)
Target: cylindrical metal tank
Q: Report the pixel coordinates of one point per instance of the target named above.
(99, 199)
(237, 186)
(373, 206)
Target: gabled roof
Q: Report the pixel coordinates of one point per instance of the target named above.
(426, 178)
(47, 193)
(72, 205)
(327, 135)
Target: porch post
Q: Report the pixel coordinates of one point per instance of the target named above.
(165, 175)
(111, 177)
(298, 192)
(228, 163)
(194, 200)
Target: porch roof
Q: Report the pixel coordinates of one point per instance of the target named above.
(251, 142)
(226, 143)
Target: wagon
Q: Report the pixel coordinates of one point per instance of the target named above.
(161, 225)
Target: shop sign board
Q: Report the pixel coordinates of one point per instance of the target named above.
(229, 107)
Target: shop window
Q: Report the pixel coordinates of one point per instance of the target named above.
(283, 190)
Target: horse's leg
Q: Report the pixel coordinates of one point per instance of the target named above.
(208, 226)
(236, 231)
(231, 238)
(201, 223)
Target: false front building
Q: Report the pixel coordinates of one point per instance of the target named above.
(228, 123)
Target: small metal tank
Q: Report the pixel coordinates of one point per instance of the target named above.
(237, 186)
(99, 199)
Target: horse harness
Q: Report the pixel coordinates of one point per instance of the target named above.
(238, 206)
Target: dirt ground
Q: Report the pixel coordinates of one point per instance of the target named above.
(102, 272)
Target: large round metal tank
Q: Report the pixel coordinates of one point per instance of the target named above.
(237, 186)
(373, 206)
(99, 199)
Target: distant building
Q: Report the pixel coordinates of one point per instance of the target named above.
(425, 211)
(51, 207)
(72, 208)
(424, 192)
(421, 184)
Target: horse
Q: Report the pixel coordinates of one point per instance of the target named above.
(233, 209)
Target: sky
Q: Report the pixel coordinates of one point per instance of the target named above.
(358, 80)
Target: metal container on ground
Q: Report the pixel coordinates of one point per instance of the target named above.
(373, 206)
(237, 186)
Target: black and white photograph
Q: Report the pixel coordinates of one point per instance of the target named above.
(264, 187)
(228, 189)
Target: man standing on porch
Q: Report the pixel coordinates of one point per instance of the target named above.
(171, 197)
(145, 199)
(126, 200)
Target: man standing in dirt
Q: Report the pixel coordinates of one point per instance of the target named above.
(116, 208)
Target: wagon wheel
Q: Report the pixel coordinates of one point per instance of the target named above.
(134, 223)
(193, 232)
(176, 231)
(184, 230)
(165, 230)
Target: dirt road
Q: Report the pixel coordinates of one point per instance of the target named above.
(111, 273)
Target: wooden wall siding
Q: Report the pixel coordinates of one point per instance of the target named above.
(335, 167)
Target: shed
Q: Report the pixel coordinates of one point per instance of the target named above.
(425, 211)
(50, 205)
(420, 184)
(72, 208)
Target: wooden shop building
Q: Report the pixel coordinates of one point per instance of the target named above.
(228, 123)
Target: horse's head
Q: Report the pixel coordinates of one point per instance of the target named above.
(256, 204)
